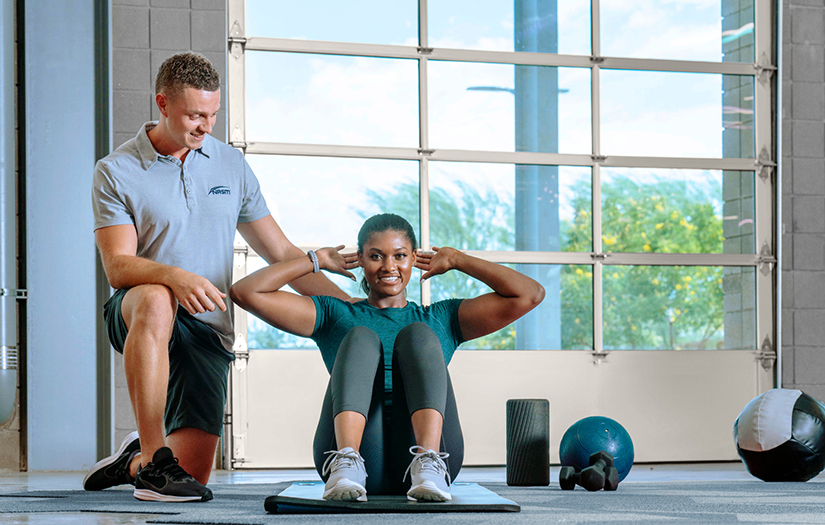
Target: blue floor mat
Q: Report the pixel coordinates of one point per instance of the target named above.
(304, 497)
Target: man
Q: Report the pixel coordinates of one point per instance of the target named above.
(167, 204)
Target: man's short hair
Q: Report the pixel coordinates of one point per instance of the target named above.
(186, 70)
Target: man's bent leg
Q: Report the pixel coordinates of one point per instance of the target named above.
(195, 450)
(149, 313)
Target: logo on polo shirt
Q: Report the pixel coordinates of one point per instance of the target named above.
(219, 190)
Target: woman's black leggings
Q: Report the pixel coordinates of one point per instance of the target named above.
(419, 380)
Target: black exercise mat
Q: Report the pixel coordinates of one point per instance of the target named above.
(306, 497)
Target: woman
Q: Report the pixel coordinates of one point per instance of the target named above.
(389, 389)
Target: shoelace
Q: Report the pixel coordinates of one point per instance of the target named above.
(337, 459)
(173, 471)
(435, 463)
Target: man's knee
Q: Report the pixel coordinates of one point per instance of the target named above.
(150, 306)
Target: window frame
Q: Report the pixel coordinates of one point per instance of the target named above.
(764, 165)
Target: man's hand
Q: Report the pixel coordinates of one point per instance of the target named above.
(197, 294)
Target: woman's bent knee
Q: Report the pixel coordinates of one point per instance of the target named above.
(417, 337)
(362, 333)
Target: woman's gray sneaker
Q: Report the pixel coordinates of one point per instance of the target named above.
(347, 476)
(114, 470)
(430, 478)
(164, 480)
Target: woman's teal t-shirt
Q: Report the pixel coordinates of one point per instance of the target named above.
(334, 318)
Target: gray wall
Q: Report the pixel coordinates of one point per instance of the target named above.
(59, 144)
(144, 34)
(9, 430)
(803, 196)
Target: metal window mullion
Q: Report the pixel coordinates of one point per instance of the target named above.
(764, 183)
(596, 204)
(424, 196)
(236, 75)
(233, 442)
(595, 31)
(676, 66)
(524, 58)
(424, 141)
(778, 206)
(423, 36)
(586, 258)
(234, 448)
(598, 290)
(502, 157)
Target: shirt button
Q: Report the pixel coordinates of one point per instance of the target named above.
(189, 191)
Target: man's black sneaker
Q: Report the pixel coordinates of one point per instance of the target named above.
(164, 480)
(114, 470)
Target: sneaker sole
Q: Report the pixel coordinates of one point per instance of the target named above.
(105, 462)
(427, 491)
(345, 490)
(151, 495)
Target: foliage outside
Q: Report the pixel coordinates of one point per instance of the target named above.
(645, 307)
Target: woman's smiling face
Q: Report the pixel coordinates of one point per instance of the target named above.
(388, 259)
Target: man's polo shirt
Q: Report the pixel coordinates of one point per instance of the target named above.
(185, 213)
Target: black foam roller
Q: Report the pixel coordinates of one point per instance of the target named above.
(528, 442)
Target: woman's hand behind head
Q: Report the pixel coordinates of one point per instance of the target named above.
(436, 261)
(332, 260)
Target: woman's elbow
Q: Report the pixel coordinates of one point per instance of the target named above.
(535, 297)
(538, 296)
(239, 296)
(528, 300)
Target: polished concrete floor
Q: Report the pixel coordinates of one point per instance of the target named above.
(32, 481)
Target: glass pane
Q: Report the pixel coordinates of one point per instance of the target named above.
(677, 211)
(564, 320)
(545, 26)
(323, 201)
(324, 99)
(475, 206)
(662, 114)
(710, 30)
(502, 107)
(393, 22)
(679, 308)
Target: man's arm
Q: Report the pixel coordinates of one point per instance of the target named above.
(124, 269)
(269, 241)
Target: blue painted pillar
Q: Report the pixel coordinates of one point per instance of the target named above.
(537, 187)
(59, 86)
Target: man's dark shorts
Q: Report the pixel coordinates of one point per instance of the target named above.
(198, 369)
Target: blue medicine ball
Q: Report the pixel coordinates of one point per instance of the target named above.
(780, 436)
(593, 434)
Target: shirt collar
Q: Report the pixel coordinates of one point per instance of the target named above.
(148, 153)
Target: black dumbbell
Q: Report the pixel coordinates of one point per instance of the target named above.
(601, 474)
(568, 478)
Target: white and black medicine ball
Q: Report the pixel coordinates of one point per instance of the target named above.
(780, 436)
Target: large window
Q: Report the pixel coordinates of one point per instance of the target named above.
(619, 152)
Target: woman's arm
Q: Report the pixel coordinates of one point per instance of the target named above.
(260, 292)
(514, 294)
(269, 241)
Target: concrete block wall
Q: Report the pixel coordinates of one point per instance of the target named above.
(147, 32)
(144, 34)
(803, 196)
